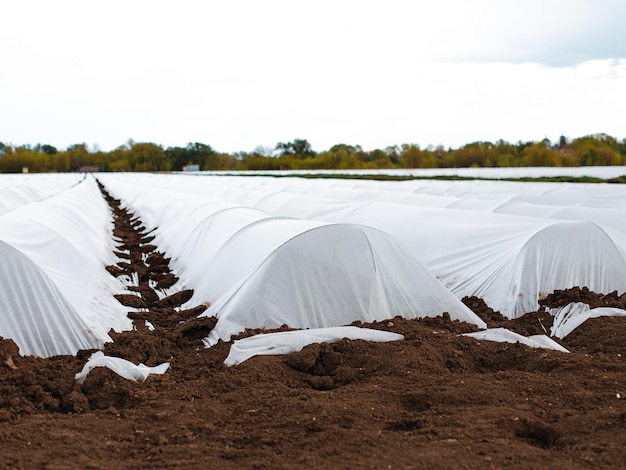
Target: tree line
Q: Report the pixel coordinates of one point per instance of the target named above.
(590, 150)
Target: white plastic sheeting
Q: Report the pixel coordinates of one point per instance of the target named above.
(571, 316)
(510, 262)
(18, 189)
(191, 229)
(330, 276)
(58, 296)
(287, 342)
(33, 312)
(509, 243)
(560, 236)
(259, 271)
(502, 335)
(122, 367)
(604, 172)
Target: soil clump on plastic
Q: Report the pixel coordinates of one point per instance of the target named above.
(437, 399)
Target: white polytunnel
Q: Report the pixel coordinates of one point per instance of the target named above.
(17, 190)
(604, 172)
(241, 253)
(612, 220)
(267, 251)
(259, 271)
(333, 275)
(510, 262)
(189, 229)
(557, 235)
(34, 313)
(67, 238)
(508, 259)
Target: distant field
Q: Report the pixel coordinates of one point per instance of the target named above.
(587, 174)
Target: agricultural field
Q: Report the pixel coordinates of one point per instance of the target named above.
(329, 322)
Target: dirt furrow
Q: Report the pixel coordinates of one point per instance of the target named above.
(142, 263)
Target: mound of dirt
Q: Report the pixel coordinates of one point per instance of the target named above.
(434, 398)
(560, 298)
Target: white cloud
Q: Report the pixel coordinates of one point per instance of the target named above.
(242, 73)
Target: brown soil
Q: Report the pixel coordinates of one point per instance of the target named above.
(434, 400)
(584, 295)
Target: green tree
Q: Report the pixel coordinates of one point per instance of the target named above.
(475, 154)
(394, 154)
(45, 148)
(178, 157)
(299, 148)
(78, 156)
(60, 162)
(119, 164)
(147, 156)
(599, 149)
(194, 153)
(539, 154)
(14, 159)
(506, 154)
(412, 156)
(336, 156)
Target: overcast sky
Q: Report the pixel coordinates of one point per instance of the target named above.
(237, 74)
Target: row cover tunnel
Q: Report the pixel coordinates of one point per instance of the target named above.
(263, 252)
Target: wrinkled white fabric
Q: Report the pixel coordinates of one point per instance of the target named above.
(18, 189)
(260, 271)
(34, 313)
(502, 335)
(287, 342)
(122, 367)
(571, 316)
(557, 236)
(604, 172)
(331, 276)
(57, 294)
